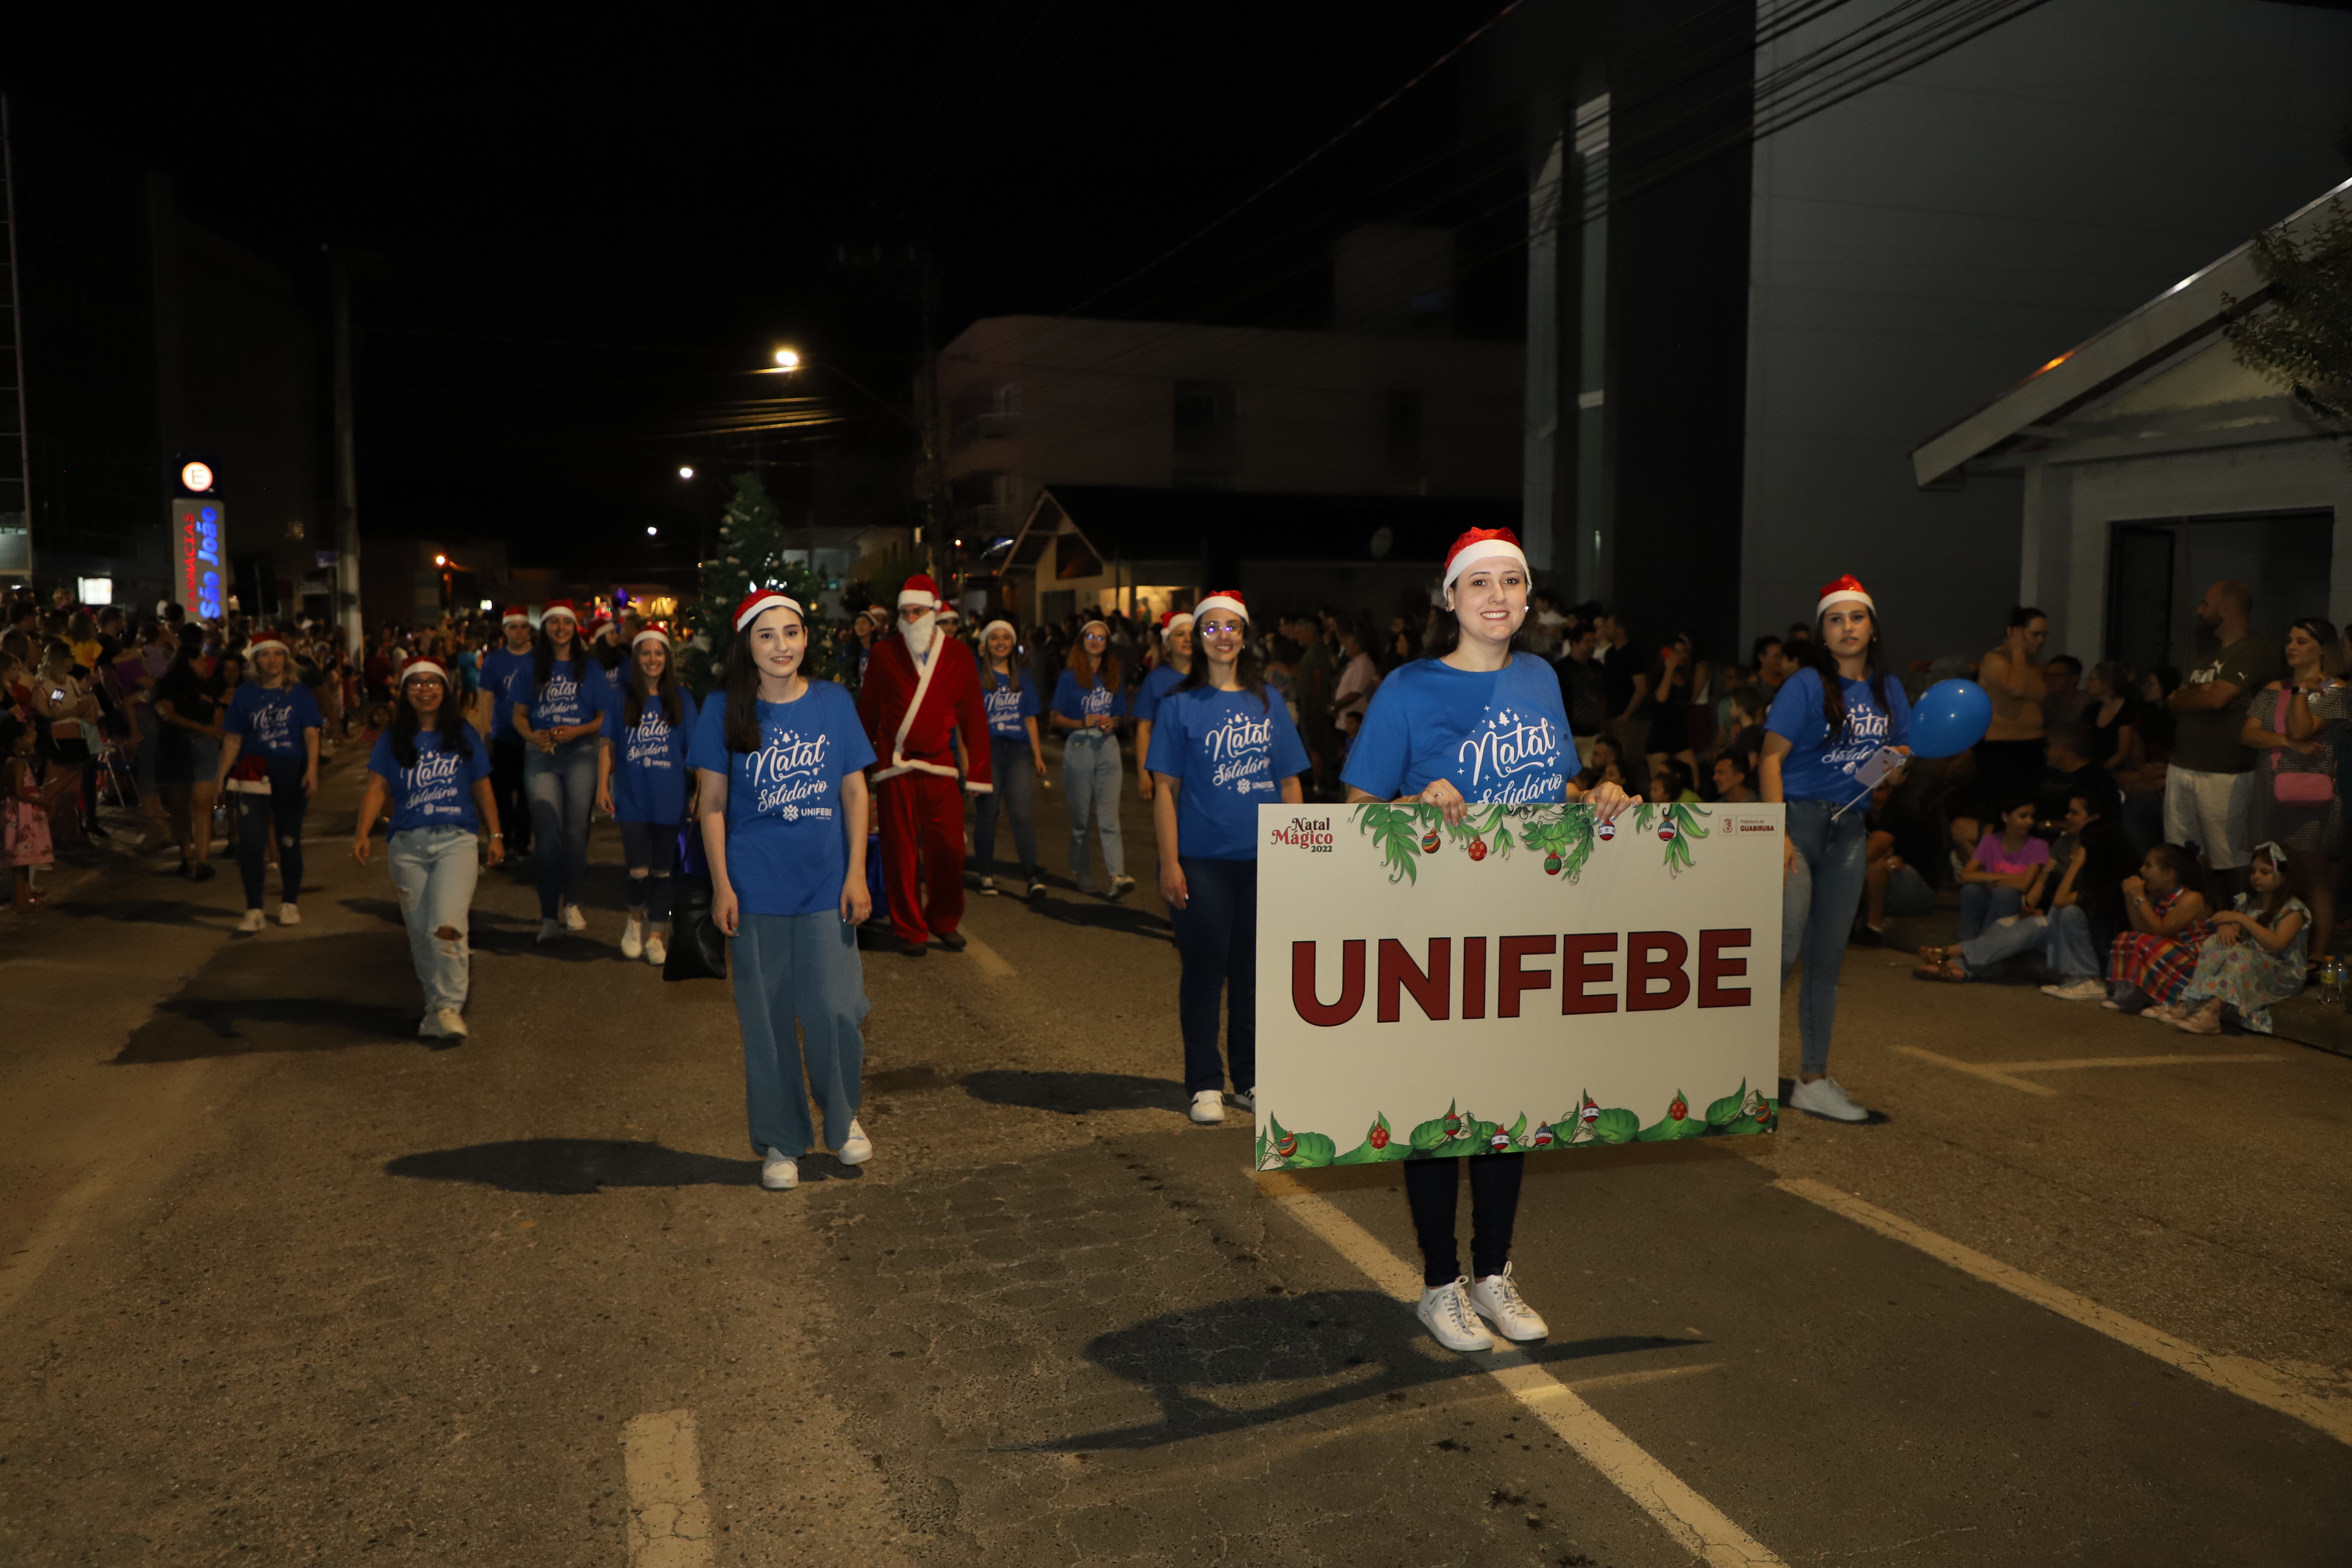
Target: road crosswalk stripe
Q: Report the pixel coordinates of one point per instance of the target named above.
(669, 1524)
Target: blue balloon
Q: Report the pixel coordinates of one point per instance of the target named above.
(1950, 717)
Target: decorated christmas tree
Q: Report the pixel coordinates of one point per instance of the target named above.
(750, 554)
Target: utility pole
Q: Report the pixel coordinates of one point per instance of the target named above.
(933, 482)
(16, 342)
(347, 478)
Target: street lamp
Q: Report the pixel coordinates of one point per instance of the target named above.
(651, 531)
(788, 359)
(684, 473)
(440, 560)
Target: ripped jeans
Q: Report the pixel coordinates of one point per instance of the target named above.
(434, 869)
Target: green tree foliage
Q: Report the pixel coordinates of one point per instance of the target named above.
(2303, 340)
(750, 552)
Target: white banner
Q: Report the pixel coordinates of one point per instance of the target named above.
(1526, 981)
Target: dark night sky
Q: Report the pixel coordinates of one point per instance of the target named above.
(654, 213)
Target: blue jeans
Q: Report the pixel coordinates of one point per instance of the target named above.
(1981, 903)
(283, 806)
(805, 967)
(433, 870)
(2064, 940)
(1016, 784)
(561, 785)
(1817, 905)
(1091, 773)
(1216, 939)
(651, 850)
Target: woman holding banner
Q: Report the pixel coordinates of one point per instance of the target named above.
(1821, 731)
(1428, 739)
(1221, 748)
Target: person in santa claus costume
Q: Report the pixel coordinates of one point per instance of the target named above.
(921, 689)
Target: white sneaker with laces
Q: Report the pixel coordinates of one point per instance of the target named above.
(289, 914)
(1208, 1108)
(573, 919)
(549, 930)
(429, 1027)
(451, 1022)
(779, 1173)
(855, 1149)
(633, 940)
(2086, 990)
(1827, 1097)
(657, 952)
(1445, 1313)
(253, 921)
(1246, 1100)
(1497, 1299)
(989, 890)
(1121, 885)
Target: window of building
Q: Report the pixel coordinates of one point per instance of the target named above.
(987, 413)
(1204, 418)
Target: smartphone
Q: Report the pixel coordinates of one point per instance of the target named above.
(1874, 771)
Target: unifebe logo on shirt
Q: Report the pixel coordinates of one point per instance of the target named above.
(1239, 749)
(1312, 833)
(787, 777)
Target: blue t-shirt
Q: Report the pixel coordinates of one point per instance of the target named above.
(1499, 735)
(567, 697)
(498, 666)
(787, 845)
(1007, 708)
(648, 762)
(1229, 754)
(272, 718)
(1154, 691)
(1816, 770)
(438, 792)
(1071, 703)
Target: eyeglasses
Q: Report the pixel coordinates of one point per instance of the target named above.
(1221, 628)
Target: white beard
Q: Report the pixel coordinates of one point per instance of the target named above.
(921, 634)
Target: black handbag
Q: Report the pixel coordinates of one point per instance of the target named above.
(697, 949)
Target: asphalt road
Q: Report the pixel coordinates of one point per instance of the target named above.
(281, 1283)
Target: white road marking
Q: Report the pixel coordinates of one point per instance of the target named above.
(2024, 1086)
(992, 962)
(669, 1524)
(1696, 1524)
(2005, 1073)
(19, 1273)
(1651, 1375)
(2240, 1376)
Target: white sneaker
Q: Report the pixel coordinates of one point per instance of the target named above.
(1247, 1101)
(1208, 1108)
(289, 915)
(549, 930)
(657, 952)
(252, 921)
(2084, 990)
(453, 1023)
(1121, 885)
(573, 919)
(429, 1027)
(1827, 1097)
(1497, 1299)
(989, 890)
(779, 1173)
(857, 1148)
(1445, 1313)
(633, 940)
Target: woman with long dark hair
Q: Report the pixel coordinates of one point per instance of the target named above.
(1222, 747)
(187, 754)
(275, 719)
(1827, 720)
(783, 809)
(1016, 758)
(1430, 739)
(641, 784)
(432, 774)
(1087, 707)
(1175, 664)
(559, 713)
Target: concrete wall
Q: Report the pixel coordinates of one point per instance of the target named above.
(1919, 248)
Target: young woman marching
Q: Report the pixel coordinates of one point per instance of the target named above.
(784, 811)
(1175, 663)
(1011, 702)
(1827, 720)
(188, 755)
(559, 709)
(502, 668)
(641, 783)
(1418, 746)
(433, 774)
(1087, 701)
(1221, 748)
(277, 719)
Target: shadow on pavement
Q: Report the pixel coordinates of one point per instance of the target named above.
(1076, 1094)
(570, 1166)
(1085, 910)
(153, 911)
(318, 993)
(509, 937)
(1343, 1346)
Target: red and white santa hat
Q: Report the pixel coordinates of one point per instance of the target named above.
(651, 633)
(1483, 544)
(256, 646)
(759, 601)
(1223, 599)
(516, 616)
(416, 667)
(558, 607)
(919, 590)
(1171, 619)
(1847, 589)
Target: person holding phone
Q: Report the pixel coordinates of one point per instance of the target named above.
(275, 719)
(783, 805)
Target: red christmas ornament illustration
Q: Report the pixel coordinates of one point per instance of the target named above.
(1477, 849)
(1552, 865)
(1666, 831)
(1380, 1137)
(1604, 831)
(1678, 1110)
(1429, 842)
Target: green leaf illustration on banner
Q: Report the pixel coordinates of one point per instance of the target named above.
(1379, 1145)
(1436, 1132)
(1677, 826)
(1756, 1115)
(1397, 830)
(1616, 1125)
(1677, 1122)
(1730, 1109)
(1310, 1150)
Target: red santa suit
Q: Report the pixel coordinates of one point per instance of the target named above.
(912, 710)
